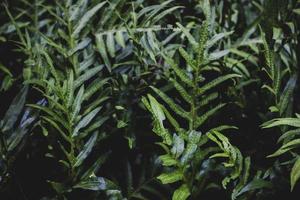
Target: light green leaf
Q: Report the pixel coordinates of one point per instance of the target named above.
(110, 43)
(286, 147)
(120, 39)
(168, 160)
(172, 177)
(181, 193)
(295, 173)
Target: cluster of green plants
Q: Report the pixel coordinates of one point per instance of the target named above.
(149, 100)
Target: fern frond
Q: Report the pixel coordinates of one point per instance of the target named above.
(175, 107)
(215, 82)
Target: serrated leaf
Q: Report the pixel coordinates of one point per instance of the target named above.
(175, 107)
(200, 120)
(189, 59)
(184, 94)
(179, 72)
(95, 86)
(216, 82)
(86, 18)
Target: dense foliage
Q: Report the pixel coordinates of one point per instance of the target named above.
(149, 100)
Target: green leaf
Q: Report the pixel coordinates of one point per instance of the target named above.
(14, 110)
(188, 35)
(83, 44)
(178, 146)
(87, 75)
(254, 185)
(51, 66)
(172, 177)
(200, 120)
(286, 147)
(184, 94)
(216, 82)
(175, 107)
(51, 113)
(168, 160)
(286, 96)
(189, 59)
(295, 173)
(110, 43)
(102, 50)
(120, 39)
(297, 11)
(156, 109)
(164, 13)
(92, 183)
(95, 166)
(289, 135)
(86, 150)
(218, 54)
(56, 126)
(15, 138)
(179, 72)
(181, 193)
(85, 121)
(217, 37)
(77, 103)
(86, 18)
(294, 122)
(94, 87)
(208, 98)
(193, 139)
